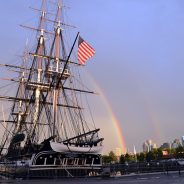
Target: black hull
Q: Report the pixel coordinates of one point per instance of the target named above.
(49, 173)
(55, 165)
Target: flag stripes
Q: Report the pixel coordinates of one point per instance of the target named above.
(85, 51)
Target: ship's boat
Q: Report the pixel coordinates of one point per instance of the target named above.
(60, 147)
(45, 132)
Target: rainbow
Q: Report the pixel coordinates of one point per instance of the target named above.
(112, 116)
(154, 119)
(115, 121)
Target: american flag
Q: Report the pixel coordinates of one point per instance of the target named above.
(85, 51)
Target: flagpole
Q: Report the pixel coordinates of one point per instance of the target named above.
(67, 59)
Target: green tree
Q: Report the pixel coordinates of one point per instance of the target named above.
(179, 152)
(106, 159)
(141, 157)
(171, 151)
(159, 154)
(128, 157)
(112, 156)
(150, 156)
(109, 158)
(122, 159)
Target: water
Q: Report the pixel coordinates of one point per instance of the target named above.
(133, 179)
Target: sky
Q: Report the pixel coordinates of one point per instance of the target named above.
(139, 61)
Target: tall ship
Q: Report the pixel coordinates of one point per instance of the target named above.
(46, 134)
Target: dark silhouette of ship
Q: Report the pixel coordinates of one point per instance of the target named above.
(46, 134)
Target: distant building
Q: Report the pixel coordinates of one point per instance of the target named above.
(176, 143)
(145, 147)
(149, 145)
(182, 140)
(166, 145)
(154, 146)
(165, 153)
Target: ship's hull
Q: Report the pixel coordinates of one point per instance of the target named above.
(49, 164)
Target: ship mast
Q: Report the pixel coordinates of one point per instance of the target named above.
(57, 56)
(39, 69)
(47, 102)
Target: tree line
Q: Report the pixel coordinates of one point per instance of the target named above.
(153, 155)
